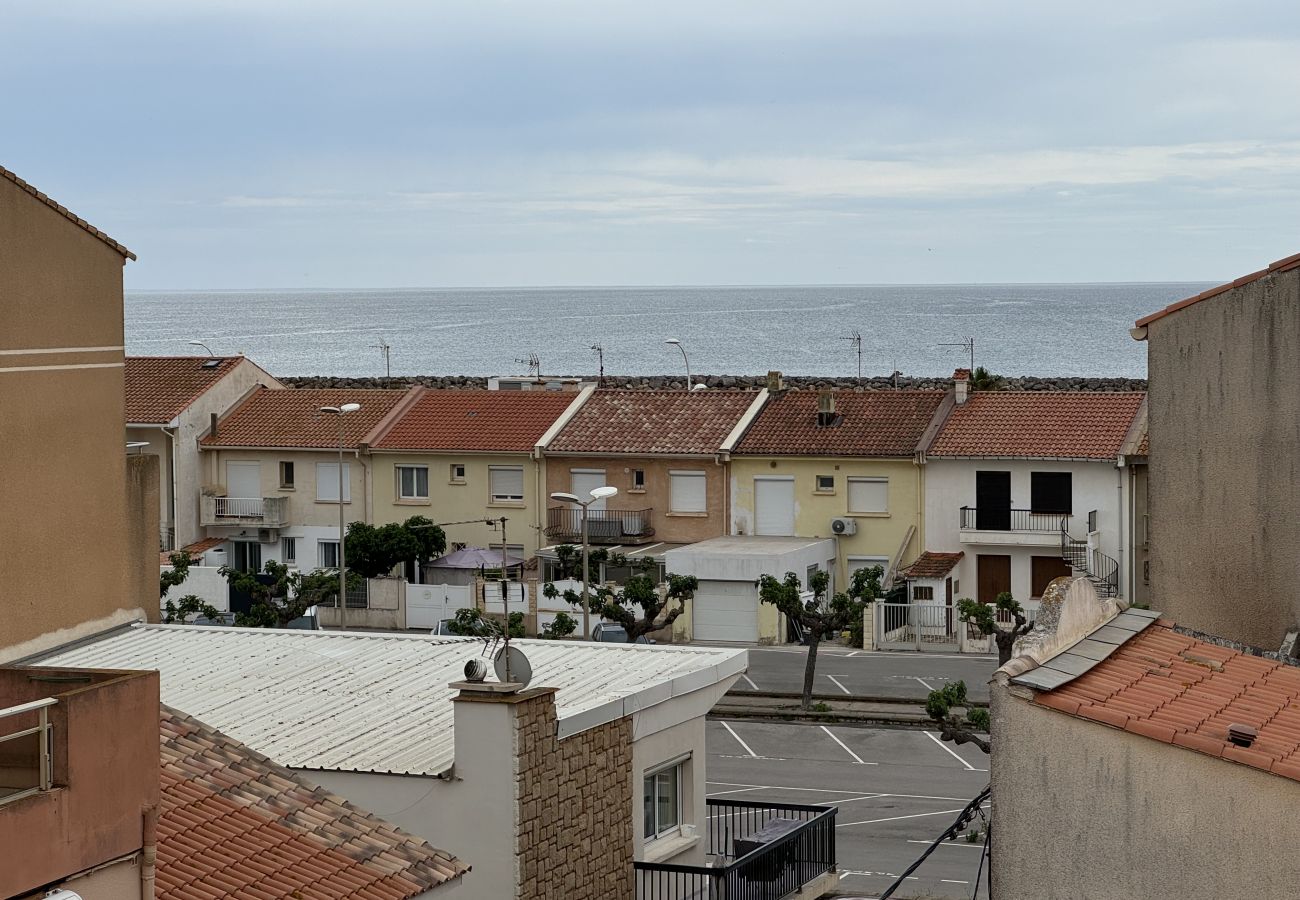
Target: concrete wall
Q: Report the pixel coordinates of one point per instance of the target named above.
(62, 407)
(1225, 459)
(204, 582)
(879, 535)
(386, 610)
(1085, 810)
(142, 530)
(160, 446)
(119, 880)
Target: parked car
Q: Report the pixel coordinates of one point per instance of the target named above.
(614, 634)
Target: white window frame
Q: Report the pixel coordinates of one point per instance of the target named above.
(415, 471)
(692, 474)
(456, 478)
(865, 479)
(327, 482)
(659, 830)
(502, 498)
(288, 550)
(817, 484)
(287, 464)
(320, 554)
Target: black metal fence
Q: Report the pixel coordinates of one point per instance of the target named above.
(604, 526)
(1003, 519)
(803, 850)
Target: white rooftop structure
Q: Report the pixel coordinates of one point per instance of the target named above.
(370, 702)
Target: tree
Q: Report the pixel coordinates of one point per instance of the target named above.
(939, 706)
(638, 605)
(470, 622)
(981, 379)
(983, 617)
(374, 551)
(177, 611)
(281, 595)
(561, 626)
(815, 615)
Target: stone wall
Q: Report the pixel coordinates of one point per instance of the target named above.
(793, 382)
(575, 807)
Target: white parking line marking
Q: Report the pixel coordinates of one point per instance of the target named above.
(925, 684)
(932, 736)
(942, 812)
(748, 750)
(953, 881)
(979, 846)
(749, 681)
(855, 653)
(780, 787)
(743, 790)
(838, 685)
(857, 759)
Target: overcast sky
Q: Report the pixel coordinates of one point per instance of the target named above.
(312, 143)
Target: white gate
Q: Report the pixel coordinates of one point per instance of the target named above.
(428, 604)
(916, 626)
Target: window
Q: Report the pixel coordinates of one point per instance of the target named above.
(286, 475)
(327, 554)
(1049, 492)
(247, 556)
(825, 484)
(638, 479)
(288, 550)
(686, 492)
(866, 562)
(506, 484)
(327, 483)
(662, 798)
(413, 482)
(868, 495)
(922, 593)
(457, 473)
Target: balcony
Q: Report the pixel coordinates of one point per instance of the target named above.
(25, 749)
(260, 512)
(758, 851)
(604, 526)
(1016, 527)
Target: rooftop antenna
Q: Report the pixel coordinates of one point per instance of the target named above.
(384, 347)
(855, 337)
(534, 365)
(969, 345)
(600, 354)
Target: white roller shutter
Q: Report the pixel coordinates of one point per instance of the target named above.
(868, 495)
(583, 481)
(687, 492)
(725, 611)
(506, 484)
(774, 506)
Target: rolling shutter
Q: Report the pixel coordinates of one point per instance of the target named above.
(774, 506)
(687, 492)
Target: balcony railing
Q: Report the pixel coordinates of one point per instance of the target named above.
(1003, 519)
(759, 851)
(264, 512)
(25, 753)
(604, 526)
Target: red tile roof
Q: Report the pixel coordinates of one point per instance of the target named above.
(1174, 688)
(65, 212)
(932, 565)
(872, 423)
(1282, 265)
(234, 824)
(292, 418)
(653, 422)
(475, 420)
(1038, 425)
(160, 388)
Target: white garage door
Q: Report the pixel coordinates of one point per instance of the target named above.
(725, 611)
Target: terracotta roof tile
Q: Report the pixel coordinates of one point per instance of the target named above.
(870, 423)
(475, 420)
(1173, 688)
(159, 388)
(65, 212)
(1038, 425)
(653, 422)
(1282, 265)
(275, 837)
(292, 418)
(932, 565)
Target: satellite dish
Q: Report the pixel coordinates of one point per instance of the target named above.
(520, 671)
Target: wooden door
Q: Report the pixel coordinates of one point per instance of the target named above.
(1042, 570)
(993, 501)
(994, 574)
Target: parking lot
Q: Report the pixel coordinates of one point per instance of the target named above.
(896, 790)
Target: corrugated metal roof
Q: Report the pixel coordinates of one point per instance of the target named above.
(368, 702)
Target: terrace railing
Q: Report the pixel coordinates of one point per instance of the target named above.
(26, 752)
(604, 526)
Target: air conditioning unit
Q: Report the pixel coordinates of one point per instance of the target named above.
(266, 535)
(841, 525)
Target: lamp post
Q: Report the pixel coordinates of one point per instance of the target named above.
(678, 344)
(203, 345)
(599, 493)
(340, 412)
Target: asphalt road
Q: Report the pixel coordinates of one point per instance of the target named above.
(896, 790)
(906, 676)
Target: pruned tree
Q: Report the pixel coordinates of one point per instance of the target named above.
(281, 596)
(374, 551)
(984, 617)
(175, 612)
(818, 616)
(638, 605)
(470, 622)
(561, 626)
(939, 706)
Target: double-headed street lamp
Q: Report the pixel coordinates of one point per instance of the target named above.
(340, 412)
(596, 494)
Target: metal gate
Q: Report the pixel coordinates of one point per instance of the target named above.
(916, 626)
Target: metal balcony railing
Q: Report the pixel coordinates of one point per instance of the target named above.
(264, 512)
(1003, 519)
(604, 526)
(746, 865)
(26, 754)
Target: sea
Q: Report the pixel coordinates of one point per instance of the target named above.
(920, 330)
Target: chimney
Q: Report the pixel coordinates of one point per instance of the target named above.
(825, 409)
(961, 384)
(774, 383)
(212, 430)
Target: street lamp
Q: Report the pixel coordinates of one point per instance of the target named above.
(678, 344)
(599, 493)
(342, 411)
(203, 345)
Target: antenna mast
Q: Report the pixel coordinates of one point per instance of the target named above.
(384, 347)
(600, 355)
(534, 364)
(855, 338)
(968, 344)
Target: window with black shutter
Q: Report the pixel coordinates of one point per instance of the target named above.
(1049, 492)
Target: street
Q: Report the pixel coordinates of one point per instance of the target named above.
(896, 790)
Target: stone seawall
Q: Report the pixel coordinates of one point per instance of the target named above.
(793, 382)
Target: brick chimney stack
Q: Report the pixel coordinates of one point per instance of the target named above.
(961, 385)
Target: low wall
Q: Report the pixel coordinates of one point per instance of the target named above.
(204, 582)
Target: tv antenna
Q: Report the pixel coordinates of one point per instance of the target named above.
(383, 346)
(534, 365)
(855, 337)
(968, 345)
(600, 355)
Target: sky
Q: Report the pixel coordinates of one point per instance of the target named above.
(425, 143)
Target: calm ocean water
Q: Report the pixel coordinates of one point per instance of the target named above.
(1073, 329)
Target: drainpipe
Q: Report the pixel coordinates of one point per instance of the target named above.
(149, 853)
(539, 501)
(171, 436)
(366, 502)
(1123, 512)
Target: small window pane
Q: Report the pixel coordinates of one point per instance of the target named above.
(826, 483)
(666, 799)
(288, 550)
(413, 482)
(457, 472)
(286, 474)
(648, 794)
(328, 554)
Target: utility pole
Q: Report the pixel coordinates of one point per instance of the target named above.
(384, 347)
(855, 337)
(505, 596)
(600, 355)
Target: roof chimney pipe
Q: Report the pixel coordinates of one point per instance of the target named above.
(212, 427)
(825, 409)
(961, 385)
(775, 384)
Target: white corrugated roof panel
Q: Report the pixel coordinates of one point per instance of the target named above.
(367, 702)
